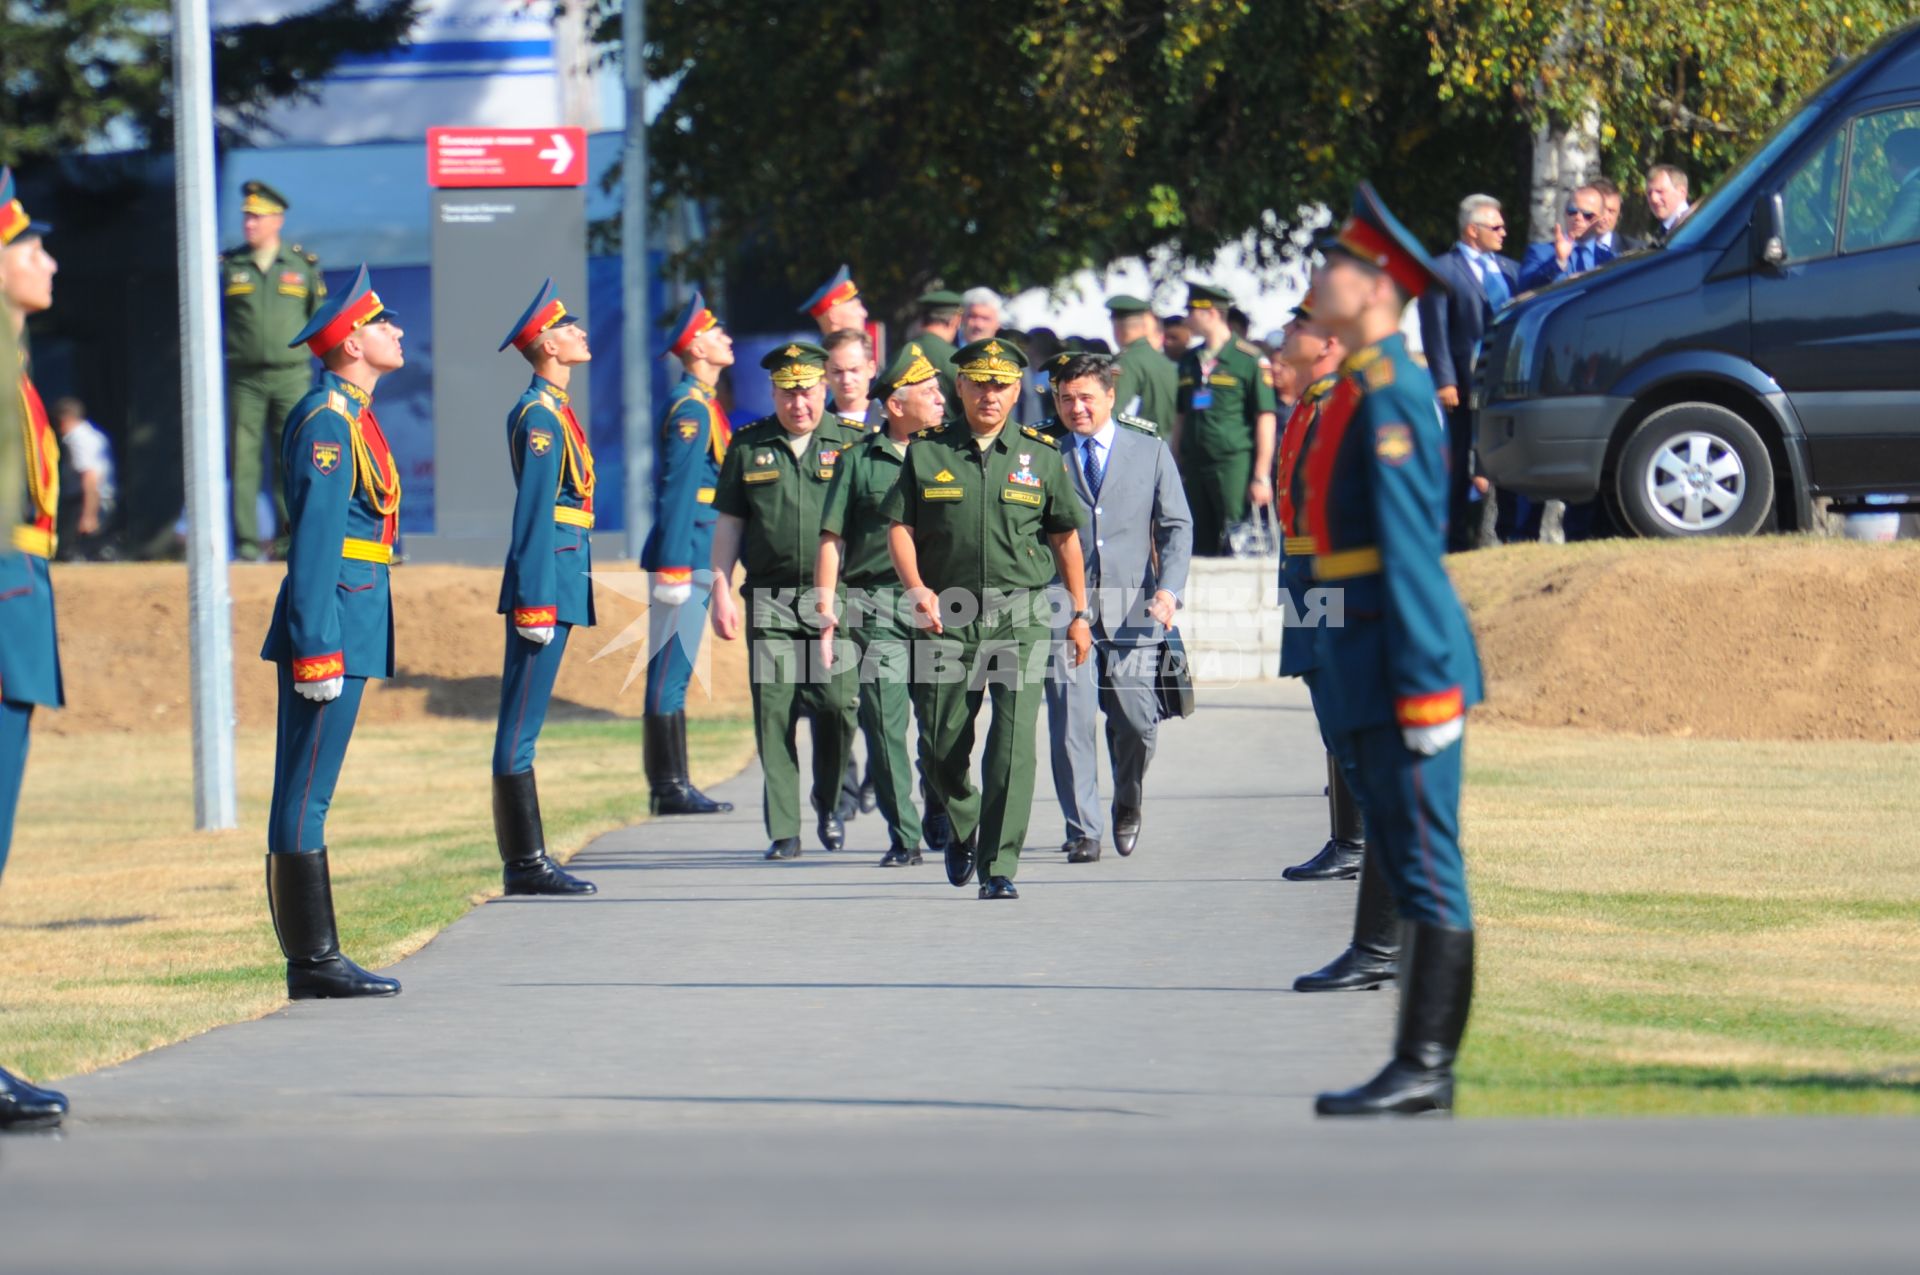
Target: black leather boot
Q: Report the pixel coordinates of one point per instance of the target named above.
(664, 748)
(25, 1106)
(523, 841)
(1373, 956)
(1339, 859)
(300, 897)
(1435, 993)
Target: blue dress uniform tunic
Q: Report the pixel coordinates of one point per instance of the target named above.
(1376, 484)
(30, 649)
(334, 615)
(549, 560)
(692, 442)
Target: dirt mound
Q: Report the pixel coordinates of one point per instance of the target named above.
(1792, 638)
(123, 645)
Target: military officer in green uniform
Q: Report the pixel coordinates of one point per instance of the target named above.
(269, 291)
(1225, 421)
(1149, 384)
(983, 517)
(939, 326)
(770, 498)
(853, 553)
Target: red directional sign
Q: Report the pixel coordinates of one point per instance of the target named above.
(505, 157)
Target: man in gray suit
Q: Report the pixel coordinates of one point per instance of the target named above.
(1136, 544)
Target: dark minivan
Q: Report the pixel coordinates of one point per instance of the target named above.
(1769, 355)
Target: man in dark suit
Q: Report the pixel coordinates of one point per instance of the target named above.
(1452, 322)
(1611, 202)
(1575, 247)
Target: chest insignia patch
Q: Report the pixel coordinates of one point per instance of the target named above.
(1393, 444)
(944, 476)
(763, 458)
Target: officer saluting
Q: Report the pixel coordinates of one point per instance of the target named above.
(332, 623)
(29, 646)
(1401, 673)
(692, 440)
(772, 493)
(547, 589)
(983, 517)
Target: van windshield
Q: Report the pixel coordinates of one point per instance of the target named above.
(1734, 189)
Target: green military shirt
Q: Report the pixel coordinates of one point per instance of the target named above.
(981, 517)
(263, 310)
(780, 497)
(1239, 390)
(856, 509)
(1153, 379)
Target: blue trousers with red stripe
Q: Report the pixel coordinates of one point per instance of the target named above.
(15, 719)
(1412, 807)
(673, 639)
(311, 745)
(526, 685)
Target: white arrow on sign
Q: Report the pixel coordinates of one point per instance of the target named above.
(560, 153)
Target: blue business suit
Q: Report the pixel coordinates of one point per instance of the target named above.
(688, 450)
(1541, 267)
(29, 642)
(547, 578)
(1404, 656)
(1453, 322)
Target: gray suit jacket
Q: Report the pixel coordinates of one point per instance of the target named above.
(1139, 533)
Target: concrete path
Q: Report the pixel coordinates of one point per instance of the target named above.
(719, 1063)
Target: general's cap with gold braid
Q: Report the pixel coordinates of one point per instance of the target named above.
(797, 365)
(1374, 237)
(344, 313)
(262, 200)
(909, 367)
(834, 291)
(545, 314)
(993, 359)
(694, 319)
(14, 222)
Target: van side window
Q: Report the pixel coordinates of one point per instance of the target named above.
(1812, 199)
(1883, 180)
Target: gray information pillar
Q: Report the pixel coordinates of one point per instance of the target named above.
(491, 249)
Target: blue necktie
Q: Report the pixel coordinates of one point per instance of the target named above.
(1582, 259)
(1096, 468)
(1494, 284)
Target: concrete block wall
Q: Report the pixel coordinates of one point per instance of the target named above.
(1230, 619)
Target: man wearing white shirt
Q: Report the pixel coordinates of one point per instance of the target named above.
(1667, 199)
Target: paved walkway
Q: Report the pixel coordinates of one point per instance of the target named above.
(719, 1063)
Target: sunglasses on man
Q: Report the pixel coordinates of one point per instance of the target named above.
(1581, 213)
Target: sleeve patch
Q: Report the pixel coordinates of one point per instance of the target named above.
(689, 427)
(1393, 444)
(326, 457)
(540, 440)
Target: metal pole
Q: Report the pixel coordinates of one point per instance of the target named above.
(203, 417)
(635, 353)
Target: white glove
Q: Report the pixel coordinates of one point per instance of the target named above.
(1429, 740)
(322, 691)
(540, 633)
(673, 595)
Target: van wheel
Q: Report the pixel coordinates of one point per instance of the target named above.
(1695, 469)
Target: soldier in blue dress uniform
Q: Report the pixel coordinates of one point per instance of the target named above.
(29, 645)
(332, 623)
(546, 590)
(692, 441)
(1398, 676)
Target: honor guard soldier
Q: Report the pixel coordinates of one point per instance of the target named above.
(1149, 384)
(836, 304)
(772, 494)
(29, 645)
(692, 441)
(1370, 960)
(1225, 419)
(332, 623)
(270, 290)
(1400, 674)
(854, 553)
(983, 518)
(547, 589)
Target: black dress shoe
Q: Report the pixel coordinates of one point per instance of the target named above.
(869, 796)
(938, 829)
(1433, 1017)
(1337, 861)
(1126, 829)
(999, 888)
(335, 978)
(959, 857)
(898, 856)
(832, 830)
(1085, 850)
(25, 1106)
(785, 848)
(543, 876)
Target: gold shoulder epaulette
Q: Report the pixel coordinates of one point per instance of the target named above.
(337, 402)
(1038, 437)
(1247, 347)
(546, 401)
(1379, 374)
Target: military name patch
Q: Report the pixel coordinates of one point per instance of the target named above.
(540, 440)
(326, 457)
(1393, 443)
(1015, 496)
(942, 493)
(760, 475)
(1222, 378)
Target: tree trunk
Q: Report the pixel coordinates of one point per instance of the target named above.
(1565, 155)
